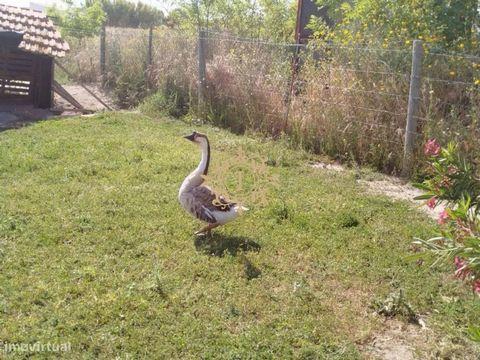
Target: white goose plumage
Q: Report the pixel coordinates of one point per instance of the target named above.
(199, 200)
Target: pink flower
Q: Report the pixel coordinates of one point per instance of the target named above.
(443, 217)
(476, 286)
(452, 170)
(431, 202)
(445, 183)
(432, 148)
(462, 272)
(459, 263)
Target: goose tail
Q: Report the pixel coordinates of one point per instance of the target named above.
(241, 208)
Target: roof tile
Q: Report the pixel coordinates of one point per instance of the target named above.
(40, 35)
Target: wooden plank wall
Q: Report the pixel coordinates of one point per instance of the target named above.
(26, 76)
(16, 74)
(42, 82)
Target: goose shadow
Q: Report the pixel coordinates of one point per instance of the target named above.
(218, 244)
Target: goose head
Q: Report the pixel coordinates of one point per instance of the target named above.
(197, 138)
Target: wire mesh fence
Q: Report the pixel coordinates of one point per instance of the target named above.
(347, 101)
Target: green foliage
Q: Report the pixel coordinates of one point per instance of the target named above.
(274, 19)
(86, 20)
(79, 22)
(454, 181)
(169, 100)
(445, 23)
(474, 332)
(395, 304)
(129, 89)
(451, 177)
(123, 13)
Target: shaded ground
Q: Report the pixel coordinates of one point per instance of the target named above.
(16, 114)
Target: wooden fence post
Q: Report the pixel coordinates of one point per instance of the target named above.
(413, 104)
(201, 73)
(103, 71)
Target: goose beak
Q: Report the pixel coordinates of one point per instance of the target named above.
(190, 137)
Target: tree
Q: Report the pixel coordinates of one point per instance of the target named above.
(123, 13)
(274, 19)
(86, 21)
(79, 22)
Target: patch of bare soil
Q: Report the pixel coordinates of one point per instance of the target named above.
(395, 341)
(398, 189)
(390, 186)
(333, 166)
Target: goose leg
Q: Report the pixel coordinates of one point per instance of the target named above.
(207, 230)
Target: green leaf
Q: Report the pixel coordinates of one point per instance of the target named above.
(423, 197)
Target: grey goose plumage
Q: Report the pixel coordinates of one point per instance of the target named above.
(201, 201)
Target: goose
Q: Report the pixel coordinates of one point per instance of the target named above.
(201, 201)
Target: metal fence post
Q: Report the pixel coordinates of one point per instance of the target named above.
(201, 73)
(149, 56)
(103, 72)
(413, 104)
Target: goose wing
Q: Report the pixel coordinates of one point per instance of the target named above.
(206, 203)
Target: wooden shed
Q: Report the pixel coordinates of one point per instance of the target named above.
(29, 43)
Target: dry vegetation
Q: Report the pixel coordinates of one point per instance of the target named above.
(349, 103)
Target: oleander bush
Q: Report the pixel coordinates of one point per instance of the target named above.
(453, 182)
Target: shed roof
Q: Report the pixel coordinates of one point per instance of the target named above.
(40, 35)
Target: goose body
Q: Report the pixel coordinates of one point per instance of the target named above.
(201, 201)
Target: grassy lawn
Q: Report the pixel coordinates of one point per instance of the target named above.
(96, 251)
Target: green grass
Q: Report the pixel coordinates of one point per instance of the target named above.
(95, 250)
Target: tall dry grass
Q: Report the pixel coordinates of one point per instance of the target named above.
(82, 61)
(247, 86)
(344, 101)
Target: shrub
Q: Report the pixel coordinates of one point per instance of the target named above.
(169, 100)
(454, 181)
